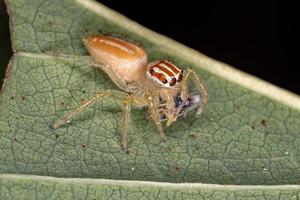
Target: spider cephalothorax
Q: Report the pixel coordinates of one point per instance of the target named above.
(160, 85)
(164, 73)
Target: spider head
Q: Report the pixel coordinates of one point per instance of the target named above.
(164, 73)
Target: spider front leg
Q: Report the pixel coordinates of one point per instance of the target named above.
(170, 112)
(201, 86)
(89, 102)
(155, 116)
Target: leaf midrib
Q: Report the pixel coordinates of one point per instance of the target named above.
(134, 184)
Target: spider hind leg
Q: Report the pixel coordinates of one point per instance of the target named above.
(107, 93)
(126, 121)
(66, 119)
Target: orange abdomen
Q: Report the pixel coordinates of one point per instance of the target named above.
(127, 59)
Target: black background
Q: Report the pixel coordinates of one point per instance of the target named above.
(258, 37)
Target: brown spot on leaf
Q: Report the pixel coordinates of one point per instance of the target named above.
(83, 145)
(193, 136)
(12, 98)
(253, 127)
(177, 168)
(14, 139)
(127, 151)
(50, 23)
(263, 122)
(171, 149)
(23, 98)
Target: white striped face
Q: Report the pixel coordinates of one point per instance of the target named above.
(165, 73)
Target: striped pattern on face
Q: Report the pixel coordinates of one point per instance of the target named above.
(165, 73)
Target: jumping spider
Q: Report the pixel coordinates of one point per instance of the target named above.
(161, 86)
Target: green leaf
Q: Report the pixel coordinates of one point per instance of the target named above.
(41, 187)
(248, 134)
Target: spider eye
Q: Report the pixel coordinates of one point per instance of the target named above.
(151, 71)
(180, 78)
(173, 82)
(164, 81)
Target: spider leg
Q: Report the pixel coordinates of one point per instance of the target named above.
(118, 80)
(113, 75)
(155, 116)
(201, 86)
(126, 120)
(87, 103)
(169, 111)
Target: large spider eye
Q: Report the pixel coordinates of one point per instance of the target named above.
(164, 81)
(180, 78)
(173, 82)
(151, 71)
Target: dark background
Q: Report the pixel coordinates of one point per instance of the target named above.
(257, 37)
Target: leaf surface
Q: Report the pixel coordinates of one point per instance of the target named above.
(248, 134)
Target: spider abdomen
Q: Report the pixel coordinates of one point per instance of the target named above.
(126, 59)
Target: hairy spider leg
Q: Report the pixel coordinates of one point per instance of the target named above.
(201, 86)
(97, 97)
(112, 74)
(170, 111)
(155, 116)
(87, 103)
(126, 120)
